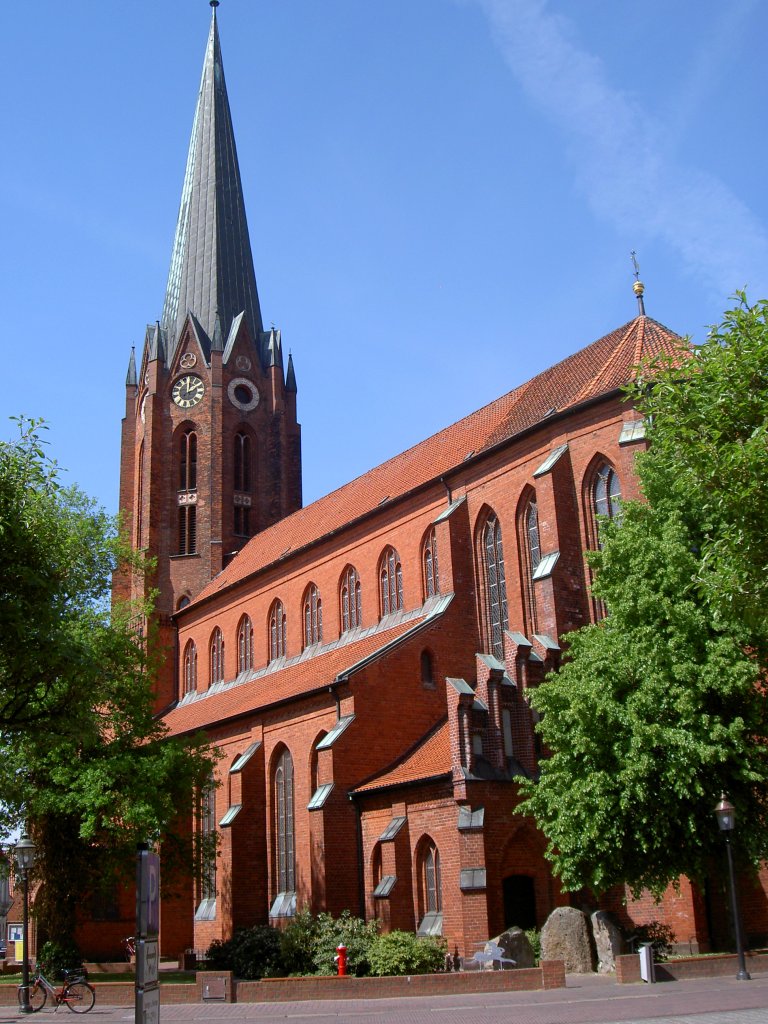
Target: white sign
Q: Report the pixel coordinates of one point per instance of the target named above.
(147, 962)
(148, 1006)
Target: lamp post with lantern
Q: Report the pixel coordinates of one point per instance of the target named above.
(24, 855)
(726, 819)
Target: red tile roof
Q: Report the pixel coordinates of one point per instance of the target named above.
(598, 369)
(428, 759)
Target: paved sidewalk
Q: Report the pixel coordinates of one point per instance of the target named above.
(585, 1000)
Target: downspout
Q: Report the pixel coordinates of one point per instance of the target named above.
(335, 694)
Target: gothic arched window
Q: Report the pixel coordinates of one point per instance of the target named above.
(607, 492)
(430, 890)
(427, 671)
(276, 631)
(188, 461)
(351, 600)
(190, 667)
(531, 556)
(140, 500)
(217, 657)
(207, 833)
(391, 582)
(285, 856)
(496, 586)
(242, 463)
(243, 473)
(431, 574)
(244, 645)
(313, 616)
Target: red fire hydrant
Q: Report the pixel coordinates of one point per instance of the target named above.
(341, 961)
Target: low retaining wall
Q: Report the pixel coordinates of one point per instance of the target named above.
(720, 965)
(550, 974)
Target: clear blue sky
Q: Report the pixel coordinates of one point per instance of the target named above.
(442, 196)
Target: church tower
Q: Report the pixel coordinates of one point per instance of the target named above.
(211, 448)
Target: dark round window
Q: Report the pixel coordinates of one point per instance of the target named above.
(243, 394)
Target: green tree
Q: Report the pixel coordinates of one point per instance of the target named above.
(82, 756)
(661, 706)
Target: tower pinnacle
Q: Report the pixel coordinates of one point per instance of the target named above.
(211, 263)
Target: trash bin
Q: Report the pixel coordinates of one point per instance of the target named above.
(647, 966)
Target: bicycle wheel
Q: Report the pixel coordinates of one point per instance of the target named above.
(37, 997)
(79, 996)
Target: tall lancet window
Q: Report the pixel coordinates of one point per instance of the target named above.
(140, 500)
(351, 600)
(188, 461)
(244, 645)
(607, 493)
(284, 833)
(243, 471)
(496, 586)
(390, 582)
(217, 657)
(431, 574)
(531, 559)
(313, 616)
(277, 630)
(187, 526)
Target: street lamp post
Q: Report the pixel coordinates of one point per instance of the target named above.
(726, 819)
(25, 859)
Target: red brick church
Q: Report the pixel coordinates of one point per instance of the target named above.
(363, 663)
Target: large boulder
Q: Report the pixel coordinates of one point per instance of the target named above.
(565, 936)
(516, 947)
(609, 942)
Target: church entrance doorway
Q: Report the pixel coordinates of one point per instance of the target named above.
(519, 901)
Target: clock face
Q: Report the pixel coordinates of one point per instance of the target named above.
(187, 391)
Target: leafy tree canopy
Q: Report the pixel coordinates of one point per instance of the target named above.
(661, 706)
(82, 756)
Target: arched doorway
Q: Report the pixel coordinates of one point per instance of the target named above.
(519, 901)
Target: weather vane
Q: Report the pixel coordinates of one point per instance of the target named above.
(638, 287)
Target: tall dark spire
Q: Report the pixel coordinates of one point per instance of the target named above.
(211, 264)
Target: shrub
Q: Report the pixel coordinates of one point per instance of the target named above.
(251, 953)
(54, 958)
(346, 930)
(661, 937)
(297, 944)
(405, 953)
(534, 937)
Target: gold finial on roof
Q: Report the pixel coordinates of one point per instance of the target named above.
(638, 287)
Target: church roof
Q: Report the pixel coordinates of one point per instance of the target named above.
(597, 370)
(314, 670)
(430, 758)
(211, 273)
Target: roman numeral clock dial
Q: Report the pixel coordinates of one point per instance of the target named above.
(187, 391)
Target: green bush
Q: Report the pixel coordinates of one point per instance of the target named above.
(405, 953)
(661, 937)
(54, 958)
(297, 944)
(534, 937)
(251, 953)
(348, 931)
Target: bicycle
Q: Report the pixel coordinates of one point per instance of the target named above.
(76, 992)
